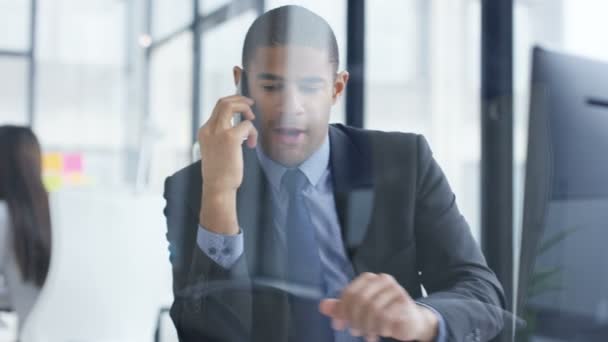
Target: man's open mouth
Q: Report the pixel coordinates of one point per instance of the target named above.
(289, 131)
(289, 136)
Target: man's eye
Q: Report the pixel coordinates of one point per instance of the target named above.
(309, 89)
(271, 87)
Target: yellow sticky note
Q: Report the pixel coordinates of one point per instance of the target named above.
(52, 162)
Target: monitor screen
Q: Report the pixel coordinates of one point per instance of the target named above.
(563, 283)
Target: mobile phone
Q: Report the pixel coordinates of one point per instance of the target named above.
(242, 89)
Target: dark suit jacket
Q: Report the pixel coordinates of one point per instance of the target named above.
(397, 214)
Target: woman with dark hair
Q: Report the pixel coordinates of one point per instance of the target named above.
(25, 228)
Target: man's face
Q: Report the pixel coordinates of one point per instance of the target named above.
(294, 89)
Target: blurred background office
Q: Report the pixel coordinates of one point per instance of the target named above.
(116, 89)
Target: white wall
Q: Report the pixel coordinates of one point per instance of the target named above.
(110, 270)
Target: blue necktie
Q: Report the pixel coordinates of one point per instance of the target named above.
(303, 262)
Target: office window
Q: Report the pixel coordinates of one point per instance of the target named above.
(217, 79)
(397, 66)
(81, 83)
(208, 6)
(169, 16)
(422, 76)
(14, 25)
(167, 130)
(13, 90)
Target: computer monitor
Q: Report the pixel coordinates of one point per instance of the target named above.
(563, 283)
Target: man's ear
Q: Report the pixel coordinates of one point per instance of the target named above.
(237, 72)
(340, 85)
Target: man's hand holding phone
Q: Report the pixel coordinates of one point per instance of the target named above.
(222, 162)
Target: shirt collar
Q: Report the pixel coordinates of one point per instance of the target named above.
(313, 167)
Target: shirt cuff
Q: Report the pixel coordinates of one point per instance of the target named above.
(223, 249)
(442, 329)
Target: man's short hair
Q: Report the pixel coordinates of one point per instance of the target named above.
(290, 25)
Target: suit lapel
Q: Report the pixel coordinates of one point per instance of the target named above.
(351, 167)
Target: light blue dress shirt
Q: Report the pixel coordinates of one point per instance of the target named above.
(319, 197)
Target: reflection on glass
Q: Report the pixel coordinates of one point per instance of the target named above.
(294, 229)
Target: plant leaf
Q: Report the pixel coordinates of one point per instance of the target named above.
(554, 240)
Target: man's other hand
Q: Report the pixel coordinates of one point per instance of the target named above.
(375, 305)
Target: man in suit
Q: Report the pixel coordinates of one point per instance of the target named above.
(365, 218)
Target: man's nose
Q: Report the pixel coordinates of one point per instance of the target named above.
(292, 101)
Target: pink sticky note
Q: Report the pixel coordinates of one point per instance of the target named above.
(72, 163)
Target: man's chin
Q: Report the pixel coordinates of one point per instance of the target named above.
(289, 162)
(288, 158)
(286, 155)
